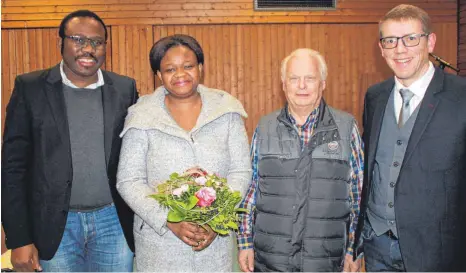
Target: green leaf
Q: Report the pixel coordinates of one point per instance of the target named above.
(236, 194)
(181, 205)
(223, 232)
(157, 196)
(174, 206)
(192, 202)
(220, 229)
(174, 216)
(174, 176)
(242, 210)
(232, 225)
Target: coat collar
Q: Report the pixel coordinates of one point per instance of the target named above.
(150, 111)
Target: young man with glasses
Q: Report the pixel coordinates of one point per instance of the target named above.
(60, 207)
(413, 203)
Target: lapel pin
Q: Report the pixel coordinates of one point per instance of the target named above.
(333, 146)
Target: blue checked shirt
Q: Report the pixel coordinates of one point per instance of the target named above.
(305, 131)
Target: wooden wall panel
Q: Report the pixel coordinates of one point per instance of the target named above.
(462, 37)
(242, 59)
(48, 13)
(130, 46)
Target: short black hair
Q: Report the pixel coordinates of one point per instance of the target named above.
(160, 48)
(74, 14)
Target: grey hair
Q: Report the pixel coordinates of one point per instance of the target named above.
(309, 53)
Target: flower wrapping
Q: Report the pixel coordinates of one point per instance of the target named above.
(202, 198)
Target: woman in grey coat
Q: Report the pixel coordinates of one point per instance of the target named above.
(181, 125)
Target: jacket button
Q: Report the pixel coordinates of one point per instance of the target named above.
(390, 205)
(396, 164)
(399, 142)
(392, 184)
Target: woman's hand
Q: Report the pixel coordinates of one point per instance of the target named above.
(208, 237)
(191, 234)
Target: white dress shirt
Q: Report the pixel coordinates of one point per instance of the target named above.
(419, 88)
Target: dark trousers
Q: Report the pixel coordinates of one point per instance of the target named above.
(381, 253)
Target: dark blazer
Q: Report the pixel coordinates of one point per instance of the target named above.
(430, 193)
(36, 158)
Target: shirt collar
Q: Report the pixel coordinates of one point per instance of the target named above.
(419, 87)
(67, 82)
(310, 119)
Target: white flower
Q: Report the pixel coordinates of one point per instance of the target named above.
(179, 191)
(201, 180)
(185, 187)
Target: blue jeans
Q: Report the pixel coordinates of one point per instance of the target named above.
(92, 241)
(381, 253)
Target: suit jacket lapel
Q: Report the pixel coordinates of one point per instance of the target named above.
(56, 99)
(376, 125)
(427, 108)
(109, 102)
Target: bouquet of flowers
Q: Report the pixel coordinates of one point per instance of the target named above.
(202, 198)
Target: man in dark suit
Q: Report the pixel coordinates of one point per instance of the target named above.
(60, 207)
(413, 215)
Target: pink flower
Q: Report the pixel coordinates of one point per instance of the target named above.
(206, 196)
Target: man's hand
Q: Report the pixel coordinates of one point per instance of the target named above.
(246, 260)
(209, 236)
(187, 232)
(350, 265)
(25, 259)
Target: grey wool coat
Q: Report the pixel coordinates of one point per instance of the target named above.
(153, 147)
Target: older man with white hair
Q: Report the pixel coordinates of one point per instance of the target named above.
(304, 197)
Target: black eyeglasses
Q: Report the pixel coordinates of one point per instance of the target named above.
(82, 42)
(408, 40)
